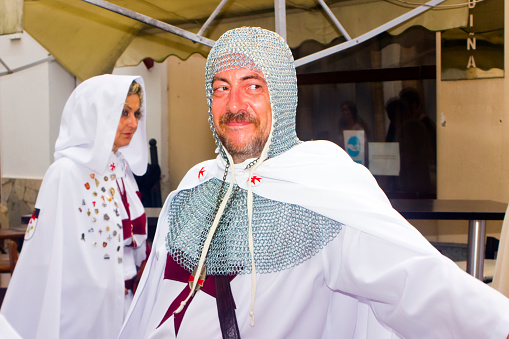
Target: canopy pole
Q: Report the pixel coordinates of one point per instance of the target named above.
(212, 17)
(151, 21)
(9, 71)
(280, 16)
(334, 19)
(32, 64)
(393, 23)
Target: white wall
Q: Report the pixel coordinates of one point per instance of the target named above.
(28, 103)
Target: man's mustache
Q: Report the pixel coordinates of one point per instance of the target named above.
(238, 117)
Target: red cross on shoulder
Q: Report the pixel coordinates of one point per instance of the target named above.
(202, 173)
(255, 180)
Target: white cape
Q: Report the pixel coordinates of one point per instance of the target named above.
(379, 278)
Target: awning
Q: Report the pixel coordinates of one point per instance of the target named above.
(89, 40)
(11, 12)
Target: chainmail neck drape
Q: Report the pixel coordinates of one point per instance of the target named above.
(285, 234)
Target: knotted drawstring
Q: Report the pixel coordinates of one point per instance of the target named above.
(210, 235)
(263, 156)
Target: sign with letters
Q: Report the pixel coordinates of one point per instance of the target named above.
(476, 51)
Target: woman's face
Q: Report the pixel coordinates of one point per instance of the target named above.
(128, 122)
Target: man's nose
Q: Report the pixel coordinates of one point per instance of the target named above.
(236, 101)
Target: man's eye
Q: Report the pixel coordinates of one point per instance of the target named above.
(219, 90)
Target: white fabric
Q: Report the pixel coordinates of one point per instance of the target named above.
(378, 279)
(6, 330)
(69, 279)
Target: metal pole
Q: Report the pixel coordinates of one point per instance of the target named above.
(334, 19)
(151, 21)
(280, 16)
(476, 248)
(5, 65)
(368, 35)
(32, 64)
(212, 17)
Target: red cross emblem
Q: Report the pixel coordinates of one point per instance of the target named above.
(255, 180)
(201, 173)
(112, 166)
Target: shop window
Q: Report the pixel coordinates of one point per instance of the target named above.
(377, 101)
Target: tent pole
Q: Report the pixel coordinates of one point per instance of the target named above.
(355, 41)
(151, 21)
(280, 16)
(212, 17)
(334, 19)
(17, 69)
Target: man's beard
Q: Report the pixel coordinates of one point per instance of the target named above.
(252, 148)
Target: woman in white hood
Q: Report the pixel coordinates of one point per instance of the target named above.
(87, 235)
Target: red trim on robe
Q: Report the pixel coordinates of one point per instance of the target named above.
(174, 271)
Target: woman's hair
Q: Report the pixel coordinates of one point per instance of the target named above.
(135, 88)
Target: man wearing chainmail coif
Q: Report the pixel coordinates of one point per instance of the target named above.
(278, 238)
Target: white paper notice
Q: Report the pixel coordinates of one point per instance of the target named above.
(355, 145)
(384, 158)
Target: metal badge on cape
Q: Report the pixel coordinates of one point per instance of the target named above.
(32, 224)
(98, 205)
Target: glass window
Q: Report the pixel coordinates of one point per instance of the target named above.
(382, 91)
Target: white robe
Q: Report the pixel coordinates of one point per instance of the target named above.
(379, 278)
(69, 279)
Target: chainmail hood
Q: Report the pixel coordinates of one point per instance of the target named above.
(258, 49)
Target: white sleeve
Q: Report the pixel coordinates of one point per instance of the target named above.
(417, 293)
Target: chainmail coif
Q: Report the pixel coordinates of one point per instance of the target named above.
(259, 50)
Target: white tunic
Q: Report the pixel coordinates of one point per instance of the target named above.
(379, 278)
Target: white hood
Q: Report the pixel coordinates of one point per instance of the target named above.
(90, 120)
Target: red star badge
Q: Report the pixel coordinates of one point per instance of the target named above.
(255, 180)
(201, 173)
(112, 166)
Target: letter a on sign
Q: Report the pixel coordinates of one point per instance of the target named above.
(471, 62)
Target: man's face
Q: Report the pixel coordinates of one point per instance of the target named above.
(241, 112)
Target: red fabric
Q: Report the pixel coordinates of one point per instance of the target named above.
(174, 271)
